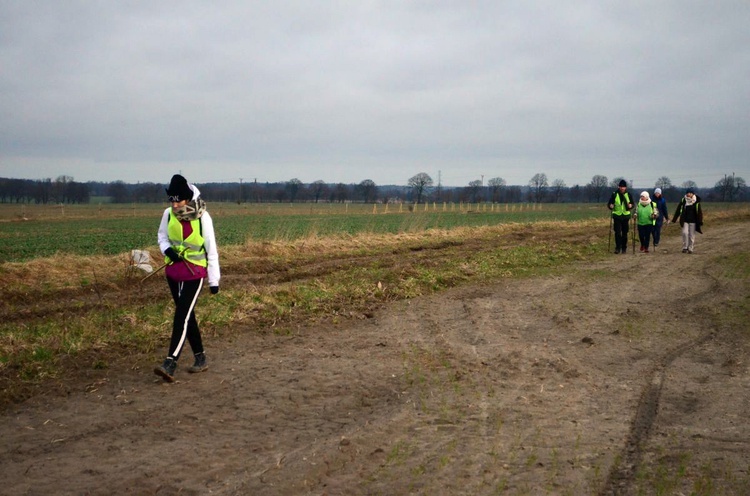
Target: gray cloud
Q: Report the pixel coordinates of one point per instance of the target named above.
(346, 91)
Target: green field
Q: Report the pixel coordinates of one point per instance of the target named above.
(31, 231)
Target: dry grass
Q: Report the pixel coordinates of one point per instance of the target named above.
(66, 271)
(66, 306)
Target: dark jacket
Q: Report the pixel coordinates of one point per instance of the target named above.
(661, 204)
(690, 214)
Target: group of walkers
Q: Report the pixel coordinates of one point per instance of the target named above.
(650, 215)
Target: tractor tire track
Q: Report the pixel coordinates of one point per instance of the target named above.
(623, 473)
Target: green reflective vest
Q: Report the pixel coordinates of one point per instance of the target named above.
(645, 214)
(620, 207)
(191, 248)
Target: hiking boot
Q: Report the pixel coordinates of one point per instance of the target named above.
(166, 369)
(684, 250)
(690, 251)
(645, 250)
(617, 251)
(200, 364)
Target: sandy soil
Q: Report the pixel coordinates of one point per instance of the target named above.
(627, 376)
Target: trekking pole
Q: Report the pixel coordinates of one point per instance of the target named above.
(154, 272)
(192, 272)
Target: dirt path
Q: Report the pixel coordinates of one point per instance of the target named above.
(630, 374)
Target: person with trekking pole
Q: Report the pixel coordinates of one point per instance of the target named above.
(621, 204)
(663, 216)
(186, 237)
(645, 214)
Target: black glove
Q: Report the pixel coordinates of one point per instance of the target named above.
(173, 256)
(214, 289)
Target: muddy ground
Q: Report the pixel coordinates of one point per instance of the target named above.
(627, 376)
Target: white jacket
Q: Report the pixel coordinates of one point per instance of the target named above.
(209, 240)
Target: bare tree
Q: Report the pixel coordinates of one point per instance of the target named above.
(420, 185)
(5, 191)
(474, 191)
(60, 188)
(78, 192)
(256, 192)
(597, 188)
(367, 190)
(539, 186)
(558, 187)
(118, 192)
(292, 188)
(18, 190)
(664, 183)
(340, 193)
(317, 190)
(689, 184)
(496, 185)
(740, 187)
(730, 187)
(576, 193)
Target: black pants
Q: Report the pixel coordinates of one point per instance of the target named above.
(185, 296)
(621, 224)
(644, 234)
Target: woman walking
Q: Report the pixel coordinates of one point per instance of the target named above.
(186, 237)
(646, 214)
(661, 206)
(690, 213)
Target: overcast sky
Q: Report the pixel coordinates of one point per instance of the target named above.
(350, 90)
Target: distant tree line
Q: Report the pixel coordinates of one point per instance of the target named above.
(62, 190)
(419, 189)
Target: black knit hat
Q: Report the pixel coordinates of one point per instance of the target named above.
(623, 183)
(178, 189)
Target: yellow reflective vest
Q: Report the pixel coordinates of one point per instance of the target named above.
(191, 249)
(620, 207)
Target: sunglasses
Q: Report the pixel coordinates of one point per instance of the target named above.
(174, 199)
